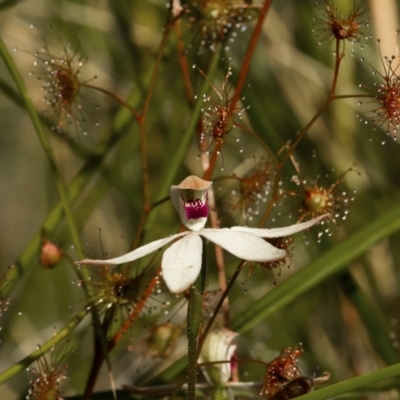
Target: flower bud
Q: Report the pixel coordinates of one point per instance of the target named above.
(50, 254)
(162, 340)
(218, 346)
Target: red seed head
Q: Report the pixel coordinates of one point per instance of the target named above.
(50, 254)
(281, 370)
(215, 20)
(385, 94)
(341, 27)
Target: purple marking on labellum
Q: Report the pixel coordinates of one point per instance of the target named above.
(195, 209)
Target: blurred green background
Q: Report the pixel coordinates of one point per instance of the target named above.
(288, 81)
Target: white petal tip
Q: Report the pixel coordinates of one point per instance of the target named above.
(88, 261)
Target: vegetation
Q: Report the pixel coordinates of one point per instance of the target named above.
(286, 114)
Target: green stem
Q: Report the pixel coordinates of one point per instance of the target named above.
(122, 102)
(181, 150)
(317, 271)
(44, 140)
(193, 324)
(143, 137)
(377, 329)
(220, 394)
(353, 383)
(61, 335)
(75, 188)
(193, 327)
(249, 53)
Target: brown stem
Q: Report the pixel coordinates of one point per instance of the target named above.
(220, 304)
(183, 62)
(100, 353)
(219, 258)
(142, 135)
(301, 135)
(135, 313)
(275, 195)
(116, 98)
(353, 96)
(303, 132)
(338, 60)
(157, 65)
(210, 323)
(242, 77)
(213, 161)
(249, 54)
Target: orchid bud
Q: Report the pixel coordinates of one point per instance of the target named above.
(50, 254)
(218, 346)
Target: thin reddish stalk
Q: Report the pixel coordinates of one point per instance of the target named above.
(249, 54)
(97, 363)
(338, 60)
(219, 254)
(183, 62)
(116, 98)
(156, 69)
(219, 305)
(213, 161)
(210, 323)
(142, 135)
(331, 97)
(242, 76)
(99, 355)
(135, 313)
(222, 282)
(219, 258)
(303, 132)
(275, 196)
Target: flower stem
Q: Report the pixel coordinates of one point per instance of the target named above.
(338, 60)
(332, 261)
(102, 353)
(249, 53)
(353, 383)
(210, 323)
(187, 136)
(44, 140)
(193, 325)
(143, 138)
(220, 394)
(61, 335)
(115, 98)
(75, 188)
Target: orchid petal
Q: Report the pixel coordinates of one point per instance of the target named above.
(135, 254)
(218, 346)
(181, 262)
(190, 201)
(243, 245)
(280, 232)
(192, 183)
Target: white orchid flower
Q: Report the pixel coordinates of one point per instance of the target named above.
(218, 347)
(181, 262)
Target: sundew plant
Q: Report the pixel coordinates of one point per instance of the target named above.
(200, 199)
